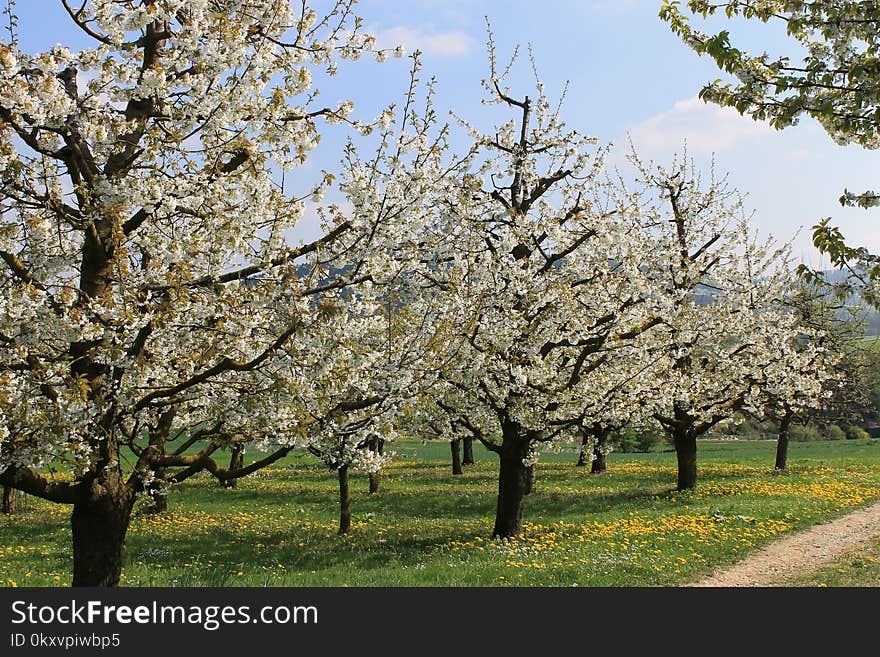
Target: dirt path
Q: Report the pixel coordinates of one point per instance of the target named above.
(801, 552)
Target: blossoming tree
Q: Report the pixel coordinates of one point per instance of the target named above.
(379, 349)
(144, 253)
(728, 334)
(538, 286)
(817, 355)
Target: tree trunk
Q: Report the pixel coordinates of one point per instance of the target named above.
(600, 465)
(236, 462)
(597, 436)
(456, 456)
(99, 527)
(586, 437)
(467, 457)
(514, 480)
(782, 442)
(10, 501)
(375, 478)
(344, 501)
(686, 453)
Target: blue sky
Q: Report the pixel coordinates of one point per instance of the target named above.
(629, 76)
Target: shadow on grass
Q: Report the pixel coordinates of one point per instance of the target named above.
(363, 549)
(585, 503)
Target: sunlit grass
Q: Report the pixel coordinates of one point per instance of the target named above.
(627, 527)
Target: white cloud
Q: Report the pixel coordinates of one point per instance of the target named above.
(439, 44)
(706, 127)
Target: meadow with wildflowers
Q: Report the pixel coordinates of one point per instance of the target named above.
(627, 527)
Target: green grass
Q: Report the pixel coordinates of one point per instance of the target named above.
(627, 527)
(859, 567)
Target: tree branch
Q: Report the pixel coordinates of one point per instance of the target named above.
(225, 364)
(32, 483)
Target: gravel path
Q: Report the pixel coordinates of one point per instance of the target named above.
(802, 552)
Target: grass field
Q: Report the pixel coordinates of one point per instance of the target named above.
(627, 527)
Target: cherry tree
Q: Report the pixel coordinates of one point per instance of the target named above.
(349, 392)
(727, 333)
(379, 347)
(538, 288)
(143, 238)
(819, 355)
(621, 403)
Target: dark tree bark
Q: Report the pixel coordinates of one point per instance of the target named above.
(585, 441)
(683, 428)
(782, 442)
(456, 456)
(236, 462)
(686, 454)
(344, 501)
(10, 501)
(514, 481)
(467, 457)
(596, 435)
(600, 463)
(99, 525)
